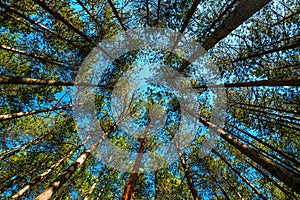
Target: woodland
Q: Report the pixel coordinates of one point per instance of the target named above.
(47, 153)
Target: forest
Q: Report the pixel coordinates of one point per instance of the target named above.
(150, 99)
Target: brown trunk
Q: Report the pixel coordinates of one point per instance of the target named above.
(290, 82)
(86, 197)
(218, 19)
(217, 183)
(283, 154)
(117, 14)
(41, 176)
(129, 190)
(22, 148)
(33, 81)
(186, 21)
(290, 178)
(271, 180)
(286, 164)
(242, 12)
(33, 112)
(265, 107)
(63, 177)
(32, 55)
(189, 178)
(241, 176)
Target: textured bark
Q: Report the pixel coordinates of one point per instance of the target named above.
(290, 82)
(41, 26)
(285, 191)
(265, 107)
(33, 81)
(33, 112)
(117, 14)
(22, 148)
(63, 177)
(41, 176)
(32, 55)
(129, 190)
(217, 183)
(186, 21)
(242, 12)
(291, 45)
(189, 178)
(218, 19)
(286, 164)
(290, 178)
(241, 176)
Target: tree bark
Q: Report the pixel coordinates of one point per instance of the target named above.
(117, 15)
(22, 148)
(242, 12)
(129, 190)
(41, 176)
(63, 178)
(32, 55)
(271, 180)
(189, 178)
(283, 154)
(290, 82)
(291, 179)
(217, 183)
(33, 112)
(240, 175)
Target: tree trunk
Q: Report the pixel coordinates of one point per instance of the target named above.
(33, 112)
(32, 55)
(241, 176)
(291, 179)
(283, 154)
(41, 176)
(129, 190)
(217, 183)
(63, 178)
(117, 15)
(290, 82)
(242, 12)
(271, 180)
(189, 178)
(86, 197)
